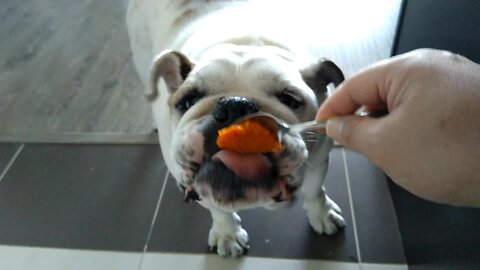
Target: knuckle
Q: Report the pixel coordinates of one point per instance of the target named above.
(346, 132)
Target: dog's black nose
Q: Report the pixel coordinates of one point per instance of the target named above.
(229, 109)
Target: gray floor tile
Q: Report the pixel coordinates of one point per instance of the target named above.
(7, 150)
(81, 196)
(378, 233)
(39, 258)
(437, 236)
(182, 261)
(283, 233)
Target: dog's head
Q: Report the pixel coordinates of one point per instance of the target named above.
(224, 86)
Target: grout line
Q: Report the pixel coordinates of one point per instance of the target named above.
(152, 224)
(80, 138)
(354, 220)
(12, 160)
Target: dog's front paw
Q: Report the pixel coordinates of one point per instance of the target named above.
(233, 244)
(228, 236)
(324, 216)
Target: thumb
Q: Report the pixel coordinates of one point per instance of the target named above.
(355, 132)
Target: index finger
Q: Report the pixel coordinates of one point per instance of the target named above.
(366, 88)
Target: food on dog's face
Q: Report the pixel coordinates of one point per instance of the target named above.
(248, 137)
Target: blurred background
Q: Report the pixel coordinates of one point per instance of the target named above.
(65, 66)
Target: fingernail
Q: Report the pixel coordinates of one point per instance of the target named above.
(334, 128)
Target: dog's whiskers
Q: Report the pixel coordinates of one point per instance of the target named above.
(309, 165)
(310, 137)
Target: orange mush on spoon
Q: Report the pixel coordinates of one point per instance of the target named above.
(248, 137)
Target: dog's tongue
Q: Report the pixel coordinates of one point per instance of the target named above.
(245, 166)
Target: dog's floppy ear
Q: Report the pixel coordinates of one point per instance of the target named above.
(320, 74)
(173, 67)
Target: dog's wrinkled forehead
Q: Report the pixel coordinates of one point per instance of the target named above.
(242, 72)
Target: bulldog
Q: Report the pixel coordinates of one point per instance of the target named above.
(206, 64)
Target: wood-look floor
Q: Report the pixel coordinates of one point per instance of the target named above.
(65, 66)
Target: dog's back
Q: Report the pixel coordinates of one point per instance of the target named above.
(192, 26)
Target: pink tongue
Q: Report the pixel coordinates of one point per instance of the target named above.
(245, 166)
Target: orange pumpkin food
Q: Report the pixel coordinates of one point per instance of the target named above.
(248, 137)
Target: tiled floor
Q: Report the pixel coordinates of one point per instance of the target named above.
(80, 196)
(69, 206)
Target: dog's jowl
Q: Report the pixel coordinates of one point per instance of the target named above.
(204, 66)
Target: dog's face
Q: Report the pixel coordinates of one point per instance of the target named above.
(212, 94)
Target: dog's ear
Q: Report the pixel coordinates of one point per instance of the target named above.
(173, 67)
(320, 74)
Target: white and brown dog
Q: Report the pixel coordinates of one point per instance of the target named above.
(216, 61)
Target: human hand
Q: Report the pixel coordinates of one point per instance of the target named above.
(429, 142)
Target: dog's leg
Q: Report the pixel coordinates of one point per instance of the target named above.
(323, 213)
(227, 234)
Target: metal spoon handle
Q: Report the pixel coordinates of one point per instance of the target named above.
(308, 126)
(321, 126)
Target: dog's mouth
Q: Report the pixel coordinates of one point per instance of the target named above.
(231, 178)
(249, 167)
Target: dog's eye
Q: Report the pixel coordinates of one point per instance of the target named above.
(289, 100)
(186, 102)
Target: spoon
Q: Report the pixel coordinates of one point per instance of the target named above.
(279, 127)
